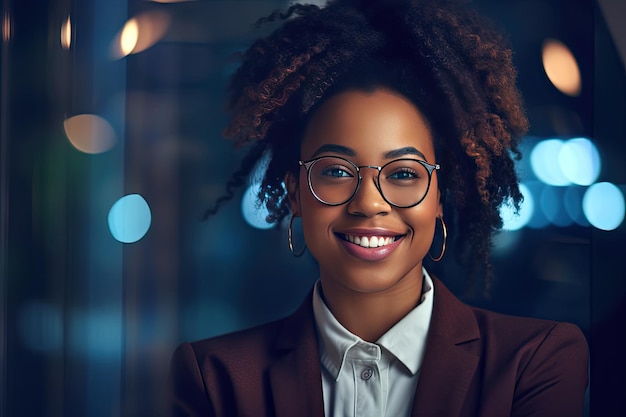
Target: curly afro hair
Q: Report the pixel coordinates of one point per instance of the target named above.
(440, 54)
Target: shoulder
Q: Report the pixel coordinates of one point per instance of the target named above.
(531, 364)
(527, 342)
(208, 376)
(533, 332)
(502, 330)
(547, 362)
(518, 344)
(251, 345)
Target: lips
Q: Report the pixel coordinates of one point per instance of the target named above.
(370, 245)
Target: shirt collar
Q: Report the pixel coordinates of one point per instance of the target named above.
(406, 340)
(335, 340)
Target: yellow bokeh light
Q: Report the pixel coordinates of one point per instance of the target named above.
(6, 27)
(140, 33)
(129, 37)
(90, 133)
(66, 34)
(561, 67)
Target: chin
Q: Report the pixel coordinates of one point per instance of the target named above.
(370, 283)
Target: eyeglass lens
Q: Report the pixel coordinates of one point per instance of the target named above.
(403, 182)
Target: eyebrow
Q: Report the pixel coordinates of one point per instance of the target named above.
(344, 150)
(407, 150)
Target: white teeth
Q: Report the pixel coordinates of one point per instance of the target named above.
(370, 242)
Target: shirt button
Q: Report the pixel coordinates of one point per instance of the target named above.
(367, 373)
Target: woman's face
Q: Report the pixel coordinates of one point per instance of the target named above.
(367, 128)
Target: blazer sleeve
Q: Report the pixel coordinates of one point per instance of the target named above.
(554, 380)
(187, 389)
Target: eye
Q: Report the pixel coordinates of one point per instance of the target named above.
(336, 171)
(403, 174)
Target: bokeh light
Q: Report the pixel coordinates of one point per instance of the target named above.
(7, 28)
(258, 172)
(603, 205)
(129, 218)
(579, 161)
(253, 212)
(140, 33)
(538, 219)
(129, 37)
(545, 164)
(551, 203)
(573, 202)
(97, 332)
(561, 67)
(560, 163)
(90, 133)
(512, 220)
(66, 33)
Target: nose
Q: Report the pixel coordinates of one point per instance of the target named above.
(368, 200)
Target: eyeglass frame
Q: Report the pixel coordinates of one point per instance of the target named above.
(430, 168)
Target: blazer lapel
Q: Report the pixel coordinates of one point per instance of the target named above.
(295, 376)
(451, 357)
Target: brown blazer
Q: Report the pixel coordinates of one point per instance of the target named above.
(477, 363)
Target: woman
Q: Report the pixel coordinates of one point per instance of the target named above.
(382, 119)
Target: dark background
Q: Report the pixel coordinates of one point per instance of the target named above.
(88, 323)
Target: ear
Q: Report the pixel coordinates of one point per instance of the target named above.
(440, 197)
(293, 193)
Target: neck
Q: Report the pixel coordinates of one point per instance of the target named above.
(370, 315)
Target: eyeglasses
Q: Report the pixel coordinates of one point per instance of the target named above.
(403, 182)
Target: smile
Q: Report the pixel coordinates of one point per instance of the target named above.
(370, 241)
(370, 247)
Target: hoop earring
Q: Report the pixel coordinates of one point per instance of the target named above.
(445, 238)
(290, 240)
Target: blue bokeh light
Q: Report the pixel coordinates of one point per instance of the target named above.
(579, 161)
(573, 203)
(545, 164)
(603, 205)
(538, 219)
(551, 202)
(258, 172)
(253, 212)
(129, 218)
(98, 332)
(515, 221)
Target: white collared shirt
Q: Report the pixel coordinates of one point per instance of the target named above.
(372, 379)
